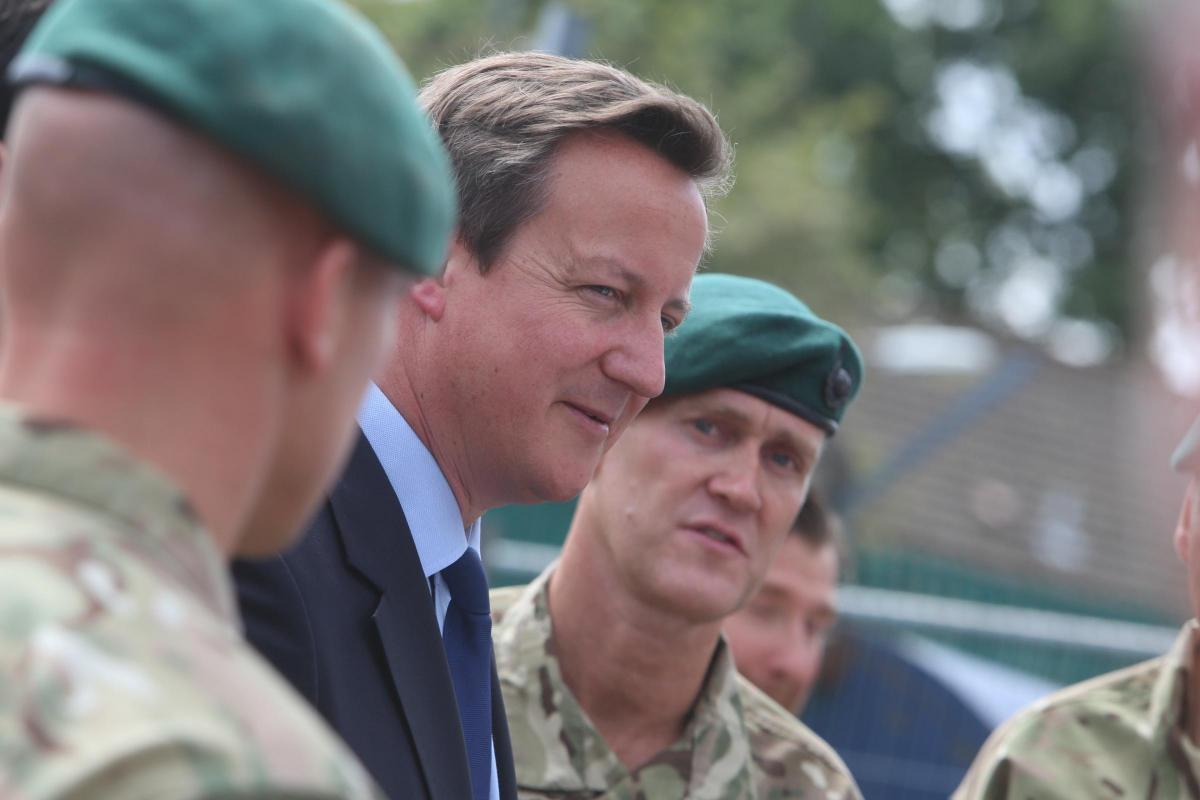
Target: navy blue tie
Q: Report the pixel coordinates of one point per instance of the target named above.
(467, 636)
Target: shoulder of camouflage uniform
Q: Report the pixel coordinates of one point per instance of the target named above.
(1030, 741)
(788, 752)
(502, 600)
(119, 683)
(194, 765)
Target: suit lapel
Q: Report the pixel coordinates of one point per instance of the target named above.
(379, 545)
(505, 771)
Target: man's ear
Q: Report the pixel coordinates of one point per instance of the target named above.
(430, 294)
(319, 303)
(1187, 519)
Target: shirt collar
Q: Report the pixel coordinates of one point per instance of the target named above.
(424, 494)
(527, 663)
(145, 507)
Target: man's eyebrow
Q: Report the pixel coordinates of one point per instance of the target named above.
(802, 446)
(770, 591)
(681, 305)
(725, 412)
(827, 612)
(635, 280)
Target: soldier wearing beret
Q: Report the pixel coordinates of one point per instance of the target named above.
(1132, 733)
(210, 208)
(616, 679)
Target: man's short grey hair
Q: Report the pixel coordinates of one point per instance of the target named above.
(502, 117)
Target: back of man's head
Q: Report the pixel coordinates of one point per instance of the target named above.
(204, 204)
(503, 116)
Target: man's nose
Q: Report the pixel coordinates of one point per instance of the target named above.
(637, 360)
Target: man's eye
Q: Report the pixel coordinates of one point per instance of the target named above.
(669, 324)
(784, 460)
(603, 291)
(704, 426)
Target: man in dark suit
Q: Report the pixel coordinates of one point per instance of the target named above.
(583, 216)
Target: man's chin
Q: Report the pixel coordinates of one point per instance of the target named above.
(561, 480)
(558, 490)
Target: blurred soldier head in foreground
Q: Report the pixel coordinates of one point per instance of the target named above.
(208, 210)
(616, 651)
(778, 639)
(199, 257)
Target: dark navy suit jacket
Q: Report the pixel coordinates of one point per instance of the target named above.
(347, 617)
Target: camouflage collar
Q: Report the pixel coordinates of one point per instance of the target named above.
(712, 758)
(64, 460)
(1169, 696)
(1168, 702)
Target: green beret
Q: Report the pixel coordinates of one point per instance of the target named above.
(1187, 455)
(307, 90)
(748, 335)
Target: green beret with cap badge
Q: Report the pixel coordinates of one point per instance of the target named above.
(746, 334)
(306, 90)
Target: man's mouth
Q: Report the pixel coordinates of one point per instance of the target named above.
(598, 417)
(718, 535)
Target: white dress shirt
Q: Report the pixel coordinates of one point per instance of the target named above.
(437, 526)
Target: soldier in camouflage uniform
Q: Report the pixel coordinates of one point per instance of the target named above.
(616, 681)
(210, 208)
(1131, 733)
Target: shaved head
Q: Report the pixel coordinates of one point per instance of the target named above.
(138, 260)
(178, 218)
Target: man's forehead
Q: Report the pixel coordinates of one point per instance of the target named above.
(803, 571)
(804, 563)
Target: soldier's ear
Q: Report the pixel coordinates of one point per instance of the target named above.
(1187, 521)
(318, 305)
(431, 294)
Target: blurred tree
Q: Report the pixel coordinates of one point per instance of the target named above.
(961, 159)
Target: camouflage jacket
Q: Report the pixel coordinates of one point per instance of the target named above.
(1115, 736)
(738, 744)
(123, 673)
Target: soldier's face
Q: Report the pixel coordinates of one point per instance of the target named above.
(551, 352)
(698, 496)
(778, 639)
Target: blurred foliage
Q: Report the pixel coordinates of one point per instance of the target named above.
(845, 192)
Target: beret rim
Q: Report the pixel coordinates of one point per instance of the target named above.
(830, 426)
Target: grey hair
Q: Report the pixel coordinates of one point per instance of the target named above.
(502, 117)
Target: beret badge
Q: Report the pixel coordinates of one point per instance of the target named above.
(838, 386)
